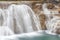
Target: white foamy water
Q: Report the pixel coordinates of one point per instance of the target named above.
(19, 19)
(5, 31)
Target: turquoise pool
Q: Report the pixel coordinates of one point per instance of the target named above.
(33, 36)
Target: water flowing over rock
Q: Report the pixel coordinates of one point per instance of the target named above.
(19, 19)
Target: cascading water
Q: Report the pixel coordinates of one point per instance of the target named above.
(18, 19)
(48, 14)
(4, 30)
(53, 22)
(1, 17)
(21, 19)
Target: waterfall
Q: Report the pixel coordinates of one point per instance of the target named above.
(10, 18)
(48, 14)
(46, 11)
(18, 19)
(25, 19)
(4, 30)
(53, 23)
